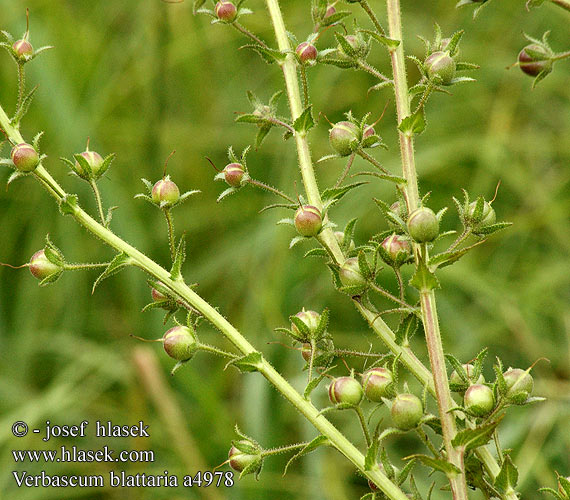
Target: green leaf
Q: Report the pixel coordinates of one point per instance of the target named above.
(413, 124)
(314, 383)
(406, 329)
(305, 121)
(364, 266)
(68, 204)
(270, 56)
(552, 492)
(447, 258)
(465, 66)
(435, 464)
(346, 47)
(313, 445)
(508, 477)
(119, 262)
(198, 4)
(371, 459)
(565, 484)
(335, 194)
(389, 43)
(317, 252)
(106, 164)
(249, 118)
(262, 134)
(179, 258)
(386, 177)
(493, 228)
(23, 109)
(423, 279)
(52, 278)
(249, 363)
(226, 192)
(403, 474)
(53, 254)
(335, 18)
(473, 438)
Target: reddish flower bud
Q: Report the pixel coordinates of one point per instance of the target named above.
(245, 454)
(94, 160)
(165, 191)
(308, 220)
(378, 383)
(25, 157)
(233, 174)
(345, 390)
(41, 267)
(535, 64)
(407, 411)
(479, 400)
(22, 49)
(180, 343)
(307, 52)
(423, 225)
(310, 318)
(225, 11)
(330, 11)
(440, 64)
(350, 273)
(397, 248)
(344, 137)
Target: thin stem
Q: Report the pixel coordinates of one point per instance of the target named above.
(271, 189)
(372, 16)
(364, 426)
(346, 170)
(282, 449)
(99, 202)
(219, 352)
(398, 274)
(460, 239)
(565, 4)
(427, 297)
(562, 55)
(305, 83)
(249, 34)
(170, 224)
(79, 267)
(363, 65)
(21, 85)
(497, 444)
(276, 121)
(348, 352)
(372, 160)
(388, 295)
(425, 439)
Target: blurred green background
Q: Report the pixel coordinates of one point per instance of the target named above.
(144, 78)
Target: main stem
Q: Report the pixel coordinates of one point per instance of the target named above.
(427, 297)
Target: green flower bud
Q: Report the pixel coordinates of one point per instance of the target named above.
(22, 49)
(344, 137)
(489, 217)
(407, 411)
(307, 52)
(225, 11)
(479, 400)
(345, 390)
(457, 381)
(397, 248)
(533, 65)
(245, 454)
(350, 273)
(378, 383)
(180, 343)
(165, 191)
(94, 160)
(308, 220)
(233, 174)
(440, 64)
(41, 267)
(310, 318)
(423, 225)
(25, 157)
(519, 385)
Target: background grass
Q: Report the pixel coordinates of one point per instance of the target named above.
(144, 78)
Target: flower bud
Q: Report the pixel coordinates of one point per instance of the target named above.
(440, 64)
(233, 174)
(456, 380)
(330, 11)
(368, 131)
(407, 411)
(533, 65)
(94, 160)
(488, 217)
(22, 49)
(25, 157)
(180, 343)
(479, 400)
(519, 385)
(307, 52)
(41, 267)
(310, 318)
(165, 191)
(350, 273)
(423, 225)
(225, 11)
(378, 383)
(245, 454)
(397, 248)
(158, 296)
(343, 137)
(561, 489)
(308, 220)
(345, 390)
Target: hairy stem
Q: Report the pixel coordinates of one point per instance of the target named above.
(246, 32)
(171, 242)
(271, 189)
(372, 16)
(427, 297)
(21, 85)
(363, 424)
(305, 85)
(565, 4)
(363, 65)
(98, 201)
